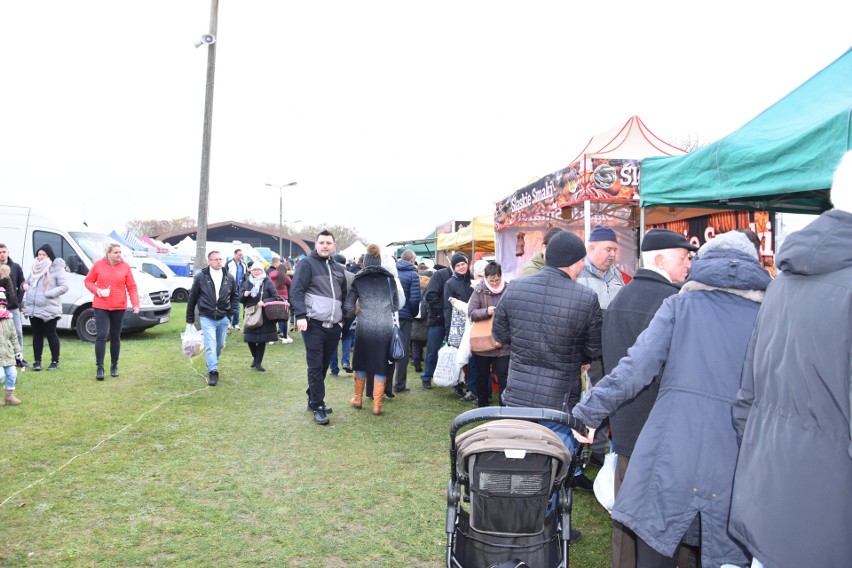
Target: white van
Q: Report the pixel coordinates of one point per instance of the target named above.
(23, 230)
(179, 286)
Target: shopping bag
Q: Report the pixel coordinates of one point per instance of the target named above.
(604, 485)
(192, 341)
(397, 344)
(276, 310)
(447, 372)
(254, 317)
(480, 336)
(463, 355)
(457, 325)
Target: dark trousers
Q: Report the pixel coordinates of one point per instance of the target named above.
(623, 539)
(402, 364)
(647, 557)
(108, 324)
(436, 337)
(45, 329)
(320, 343)
(485, 367)
(258, 350)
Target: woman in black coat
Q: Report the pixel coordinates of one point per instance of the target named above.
(254, 290)
(374, 290)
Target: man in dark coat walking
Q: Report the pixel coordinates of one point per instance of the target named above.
(435, 304)
(666, 262)
(411, 286)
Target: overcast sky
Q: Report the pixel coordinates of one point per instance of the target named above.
(392, 116)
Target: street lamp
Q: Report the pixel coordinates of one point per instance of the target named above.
(291, 223)
(281, 212)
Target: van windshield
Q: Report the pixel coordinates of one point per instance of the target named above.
(92, 244)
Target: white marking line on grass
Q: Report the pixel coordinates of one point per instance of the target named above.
(108, 438)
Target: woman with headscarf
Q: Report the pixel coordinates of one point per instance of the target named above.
(111, 281)
(376, 295)
(681, 472)
(256, 289)
(43, 303)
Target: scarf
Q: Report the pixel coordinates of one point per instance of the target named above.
(6, 314)
(256, 284)
(40, 268)
(498, 289)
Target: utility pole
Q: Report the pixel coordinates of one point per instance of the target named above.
(208, 39)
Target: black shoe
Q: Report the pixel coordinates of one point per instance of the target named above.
(574, 536)
(253, 363)
(260, 368)
(347, 368)
(418, 368)
(333, 374)
(320, 416)
(389, 395)
(583, 482)
(213, 378)
(401, 389)
(37, 366)
(99, 374)
(328, 409)
(54, 365)
(427, 385)
(113, 371)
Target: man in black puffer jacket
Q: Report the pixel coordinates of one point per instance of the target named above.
(553, 325)
(435, 303)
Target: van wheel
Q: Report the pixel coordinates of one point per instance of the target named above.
(86, 329)
(180, 295)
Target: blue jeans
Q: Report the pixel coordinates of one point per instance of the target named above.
(433, 343)
(235, 319)
(11, 376)
(214, 332)
(564, 432)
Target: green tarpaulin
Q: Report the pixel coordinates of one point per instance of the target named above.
(782, 160)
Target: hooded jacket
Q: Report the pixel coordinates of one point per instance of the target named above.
(318, 289)
(553, 326)
(410, 281)
(794, 406)
(683, 462)
(46, 304)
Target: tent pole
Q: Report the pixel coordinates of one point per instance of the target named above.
(587, 220)
(641, 226)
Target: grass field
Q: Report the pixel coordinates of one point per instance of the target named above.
(154, 468)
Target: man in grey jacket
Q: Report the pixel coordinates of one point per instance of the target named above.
(794, 402)
(316, 298)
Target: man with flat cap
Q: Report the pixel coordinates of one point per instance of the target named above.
(553, 326)
(665, 265)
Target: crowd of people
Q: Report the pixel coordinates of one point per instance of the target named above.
(706, 377)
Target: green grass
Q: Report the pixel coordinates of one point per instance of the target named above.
(157, 469)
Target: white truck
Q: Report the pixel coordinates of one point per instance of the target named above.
(23, 230)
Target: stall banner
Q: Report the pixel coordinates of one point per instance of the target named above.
(599, 179)
(588, 179)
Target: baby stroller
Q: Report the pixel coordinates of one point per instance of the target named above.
(513, 473)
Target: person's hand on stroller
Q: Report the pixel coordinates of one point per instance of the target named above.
(588, 438)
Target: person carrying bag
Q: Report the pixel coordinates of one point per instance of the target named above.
(490, 357)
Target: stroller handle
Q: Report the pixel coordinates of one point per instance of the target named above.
(517, 413)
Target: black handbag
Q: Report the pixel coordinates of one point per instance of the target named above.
(397, 344)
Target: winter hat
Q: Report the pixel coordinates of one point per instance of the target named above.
(48, 250)
(479, 267)
(564, 249)
(661, 239)
(339, 259)
(457, 258)
(373, 257)
(602, 233)
(732, 240)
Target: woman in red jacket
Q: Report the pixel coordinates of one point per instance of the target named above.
(111, 281)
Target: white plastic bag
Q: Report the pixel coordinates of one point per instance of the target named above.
(605, 482)
(463, 355)
(192, 341)
(447, 371)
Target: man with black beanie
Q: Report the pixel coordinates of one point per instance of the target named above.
(553, 326)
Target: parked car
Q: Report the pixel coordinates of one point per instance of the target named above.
(178, 286)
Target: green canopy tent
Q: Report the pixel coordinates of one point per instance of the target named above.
(421, 247)
(782, 160)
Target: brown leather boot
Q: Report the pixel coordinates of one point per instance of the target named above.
(378, 396)
(357, 400)
(10, 398)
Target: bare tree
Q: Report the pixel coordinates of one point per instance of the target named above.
(343, 236)
(154, 227)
